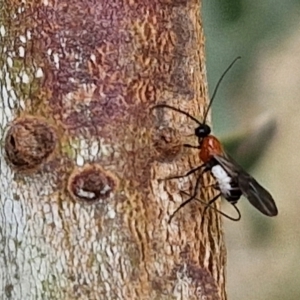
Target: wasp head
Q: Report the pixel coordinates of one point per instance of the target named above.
(202, 131)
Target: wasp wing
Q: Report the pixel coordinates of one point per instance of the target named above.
(258, 196)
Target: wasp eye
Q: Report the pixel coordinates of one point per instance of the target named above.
(202, 131)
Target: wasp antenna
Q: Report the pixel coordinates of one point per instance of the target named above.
(217, 86)
(177, 110)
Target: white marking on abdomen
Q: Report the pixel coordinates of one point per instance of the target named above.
(222, 178)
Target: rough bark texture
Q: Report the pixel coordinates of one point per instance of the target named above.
(83, 215)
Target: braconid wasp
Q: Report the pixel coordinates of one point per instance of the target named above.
(231, 180)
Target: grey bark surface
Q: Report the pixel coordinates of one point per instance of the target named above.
(83, 214)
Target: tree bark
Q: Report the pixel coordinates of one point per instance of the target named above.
(83, 214)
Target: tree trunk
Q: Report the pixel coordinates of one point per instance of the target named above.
(83, 214)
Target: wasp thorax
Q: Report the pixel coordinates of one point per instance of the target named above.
(202, 131)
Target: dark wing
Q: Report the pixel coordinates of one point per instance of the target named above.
(259, 197)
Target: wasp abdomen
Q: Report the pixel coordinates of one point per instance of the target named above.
(226, 184)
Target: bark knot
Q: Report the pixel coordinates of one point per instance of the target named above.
(91, 184)
(29, 143)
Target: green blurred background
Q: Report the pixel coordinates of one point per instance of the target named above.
(257, 114)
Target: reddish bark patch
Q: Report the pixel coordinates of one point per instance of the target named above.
(91, 184)
(29, 143)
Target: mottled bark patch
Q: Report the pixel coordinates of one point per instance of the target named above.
(29, 143)
(167, 143)
(198, 280)
(91, 184)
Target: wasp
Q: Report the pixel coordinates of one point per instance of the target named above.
(231, 180)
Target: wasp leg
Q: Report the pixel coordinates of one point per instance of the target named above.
(188, 200)
(185, 175)
(222, 213)
(238, 211)
(210, 202)
(217, 210)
